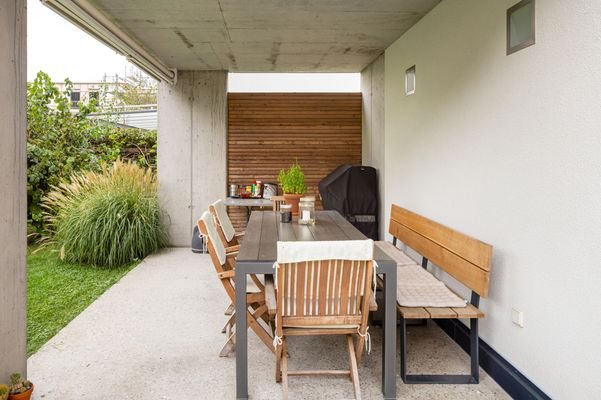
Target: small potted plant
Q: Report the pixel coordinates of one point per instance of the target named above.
(3, 392)
(293, 185)
(19, 389)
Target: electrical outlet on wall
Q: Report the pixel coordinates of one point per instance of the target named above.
(517, 317)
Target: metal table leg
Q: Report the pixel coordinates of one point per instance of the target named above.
(389, 335)
(241, 337)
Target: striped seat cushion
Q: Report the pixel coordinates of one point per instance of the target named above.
(395, 253)
(416, 287)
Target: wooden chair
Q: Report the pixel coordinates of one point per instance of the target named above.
(277, 201)
(229, 237)
(226, 272)
(323, 288)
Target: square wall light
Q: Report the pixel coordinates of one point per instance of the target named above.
(520, 26)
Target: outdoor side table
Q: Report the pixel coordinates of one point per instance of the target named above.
(249, 203)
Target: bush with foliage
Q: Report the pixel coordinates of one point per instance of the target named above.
(3, 392)
(61, 142)
(130, 144)
(58, 141)
(293, 181)
(106, 219)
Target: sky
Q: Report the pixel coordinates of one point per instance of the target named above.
(62, 50)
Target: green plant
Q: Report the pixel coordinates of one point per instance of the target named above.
(61, 142)
(106, 219)
(3, 392)
(18, 385)
(130, 144)
(137, 89)
(293, 180)
(58, 141)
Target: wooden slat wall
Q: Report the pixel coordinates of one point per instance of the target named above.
(269, 131)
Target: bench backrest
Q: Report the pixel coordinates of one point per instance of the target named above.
(466, 259)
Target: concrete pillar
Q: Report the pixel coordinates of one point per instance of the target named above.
(191, 148)
(13, 195)
(372, 89)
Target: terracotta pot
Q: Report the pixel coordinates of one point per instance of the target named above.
(22, 396)
(293, 200)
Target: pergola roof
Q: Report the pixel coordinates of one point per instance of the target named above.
(264, 35)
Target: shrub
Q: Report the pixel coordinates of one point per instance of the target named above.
(106, 219)
(130, 144)
(58, 141)
(61, 143)
(3, 392)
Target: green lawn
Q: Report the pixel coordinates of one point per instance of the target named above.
(57, 292)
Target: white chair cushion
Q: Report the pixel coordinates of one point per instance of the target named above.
(214, 236)
(360, 250)
(224, 220)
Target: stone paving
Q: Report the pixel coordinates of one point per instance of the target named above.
(156, 334)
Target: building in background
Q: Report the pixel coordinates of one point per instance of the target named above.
(127, 101)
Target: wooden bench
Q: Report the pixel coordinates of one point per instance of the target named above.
(466, 259)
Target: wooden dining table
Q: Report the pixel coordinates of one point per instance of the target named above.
(257, 255)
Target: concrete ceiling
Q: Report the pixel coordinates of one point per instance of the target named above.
(266, 35)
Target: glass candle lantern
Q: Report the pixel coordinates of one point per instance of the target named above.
(306, 210)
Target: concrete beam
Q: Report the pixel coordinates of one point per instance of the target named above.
(191, 148)
(372, 89)
(13, 195)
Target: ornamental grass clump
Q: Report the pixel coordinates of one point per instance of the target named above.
(106, 219)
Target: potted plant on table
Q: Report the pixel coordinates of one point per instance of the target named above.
(293, 185)
(19, 389)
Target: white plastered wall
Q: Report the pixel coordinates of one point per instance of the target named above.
(192, 132)
(508, 149)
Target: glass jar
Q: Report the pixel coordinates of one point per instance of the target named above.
(306, 210)
(285, 213)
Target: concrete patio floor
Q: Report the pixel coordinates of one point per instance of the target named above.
(156, 335)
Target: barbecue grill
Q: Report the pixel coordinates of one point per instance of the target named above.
(353, 192)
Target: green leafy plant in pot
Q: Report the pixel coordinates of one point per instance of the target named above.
(293, 185)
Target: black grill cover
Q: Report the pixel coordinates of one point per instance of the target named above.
(353, 192)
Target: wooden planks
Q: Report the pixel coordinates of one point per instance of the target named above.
(269, 131)
(440, 312)
(473, 250)
(464, 258)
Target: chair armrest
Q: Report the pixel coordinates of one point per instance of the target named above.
(230, 260)
(226, 274)
(232, 249)
(270, 299)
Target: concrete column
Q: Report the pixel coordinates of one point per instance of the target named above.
(13, 195)
(191, 148)
(372, 89)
